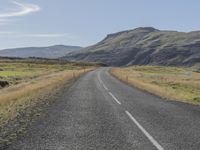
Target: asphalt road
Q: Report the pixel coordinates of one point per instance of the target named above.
(99, 112)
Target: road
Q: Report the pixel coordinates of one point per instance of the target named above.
(99, 112)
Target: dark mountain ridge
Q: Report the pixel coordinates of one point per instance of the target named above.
(55, 51)
(144, 46)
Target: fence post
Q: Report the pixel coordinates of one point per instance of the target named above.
(74, 75)
(126, 78)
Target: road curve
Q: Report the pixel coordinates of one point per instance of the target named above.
(100, 112)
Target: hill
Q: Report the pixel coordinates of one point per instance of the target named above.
(55, 51)
(143, 46)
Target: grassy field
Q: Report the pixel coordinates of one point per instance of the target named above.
(17, 72)
(31, 82)
(173, 83)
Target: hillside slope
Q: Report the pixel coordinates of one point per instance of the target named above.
(44, 52)
(143, 46)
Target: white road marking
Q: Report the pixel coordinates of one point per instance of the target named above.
(101, 82)
(153, 141)
(115, 98)
(99, 78)
(104, 86)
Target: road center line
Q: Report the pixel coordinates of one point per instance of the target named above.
(101, 82)
(104, 86)
(114, 98)
(153, 141)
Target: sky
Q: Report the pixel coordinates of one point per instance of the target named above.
(25, 23)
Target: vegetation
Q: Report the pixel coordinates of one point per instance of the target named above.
(168, 82)
(17, 71)
(30, 84)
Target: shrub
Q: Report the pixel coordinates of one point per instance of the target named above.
(3, 83)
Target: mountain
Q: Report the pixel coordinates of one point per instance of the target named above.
(144, 46)
(55, 51)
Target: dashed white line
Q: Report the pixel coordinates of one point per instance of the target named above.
(115, 98)
(102, 82)
(153, 141)
(105, 86)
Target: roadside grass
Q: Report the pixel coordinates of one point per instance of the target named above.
(16, 72)
(174, 83)
(18, 97)
(29, 82)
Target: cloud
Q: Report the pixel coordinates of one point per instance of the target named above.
(30, 35)
(6, 33)
(46, 35)
(22, 10)
(3, 21)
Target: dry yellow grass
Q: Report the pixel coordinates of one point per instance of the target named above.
(27, 94)
(173, 83)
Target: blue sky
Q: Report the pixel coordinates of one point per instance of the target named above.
(85, 22)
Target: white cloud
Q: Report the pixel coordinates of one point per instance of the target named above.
(22, 10)
(3, 22)
(32, 35)
(6, 33)
(46, 35)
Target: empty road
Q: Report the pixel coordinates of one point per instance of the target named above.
(99, 112)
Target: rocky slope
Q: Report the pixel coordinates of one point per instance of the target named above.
(143, 46)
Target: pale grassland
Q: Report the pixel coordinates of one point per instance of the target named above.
(172, 83)
(13, 97)
(34, 81)
(18, 72)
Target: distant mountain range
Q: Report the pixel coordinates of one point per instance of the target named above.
(144, 46)
(43, 52)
